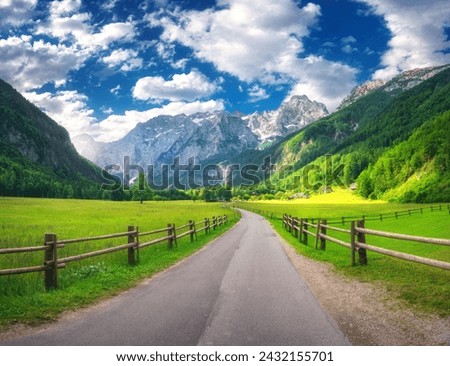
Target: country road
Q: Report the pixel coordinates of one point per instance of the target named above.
(239, 290)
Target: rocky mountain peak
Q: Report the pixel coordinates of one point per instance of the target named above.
(398, 84)
(293, 114)
(207, 135)
(360, 91)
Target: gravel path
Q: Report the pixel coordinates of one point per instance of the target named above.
(365, 312)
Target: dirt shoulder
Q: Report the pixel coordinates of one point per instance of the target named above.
(365, 312)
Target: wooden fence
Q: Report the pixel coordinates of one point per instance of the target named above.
(357, 236)
(347, 219)
(134, 244)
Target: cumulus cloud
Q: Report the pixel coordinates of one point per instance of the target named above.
(29, 64)
(67, 23)
(316, 75)
(254, 43)
(240, 38)
(15, 12)
(117, 126)
(126, 59)
(182, 87)
(68, 107)
(418, 34)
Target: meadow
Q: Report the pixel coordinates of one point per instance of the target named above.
(24, 221)
(417, 286)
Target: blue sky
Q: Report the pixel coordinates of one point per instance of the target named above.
(101, 67)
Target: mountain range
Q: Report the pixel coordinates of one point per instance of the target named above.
(211, 136)
(388, 138)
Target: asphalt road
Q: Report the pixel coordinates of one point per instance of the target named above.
(240, 290)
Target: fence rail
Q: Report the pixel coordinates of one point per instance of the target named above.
(347, 219)
(52, 262)
(300, 228)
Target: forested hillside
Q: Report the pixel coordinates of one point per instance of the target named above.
(416, 170)
(37, 158)
(356, 137)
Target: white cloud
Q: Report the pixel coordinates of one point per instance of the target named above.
(67, 23)
(257, 43)
(68, 108)
(418, 36)
(322, 80)
(117, 126)
(107, 110)
(115, 90)
(182, 87)
(256, 93)
(240, 38)
(16, 12)
(29, 64)
(126, 59)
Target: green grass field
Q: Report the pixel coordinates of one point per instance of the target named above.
(420, 286)
(24, 221)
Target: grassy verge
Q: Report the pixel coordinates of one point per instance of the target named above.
(24, 222)
(419, 286)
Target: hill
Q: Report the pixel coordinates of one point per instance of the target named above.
(37, 158)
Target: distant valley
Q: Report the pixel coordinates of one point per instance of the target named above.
(388, 139)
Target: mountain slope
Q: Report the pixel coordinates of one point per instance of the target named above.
(355, 136)
(36, 155)
(211, 136)
(416, 170)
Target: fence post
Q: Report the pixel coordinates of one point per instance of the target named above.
(294, 224)
(208, 226)
(131, 258)
(51, 255)
(305, 234)
(317, 234)
(323, 230)
(169, 236)
(138, 258)
(352, 243)
(362, 239)
(195, 229)
(214, 222)
(175, 235)
(191, 229)
(301, 231)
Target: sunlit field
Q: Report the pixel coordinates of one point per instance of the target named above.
(24, 221)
